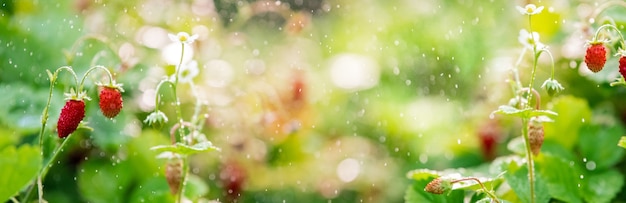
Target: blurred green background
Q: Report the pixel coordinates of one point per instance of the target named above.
(387, 87)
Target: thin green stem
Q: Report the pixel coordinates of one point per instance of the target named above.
(551, 59)
(179, 114)
(489, 193)
(531, 175)
(45, 169)
(197, 108)
(157, 98)
(605, 26)
(44, 120)
(529, 157)
(82, 81)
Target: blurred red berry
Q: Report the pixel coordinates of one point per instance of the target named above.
(110, 101)
(233, 176)
(72, 113)
(622, 66)
(595, 57)
(489, 135)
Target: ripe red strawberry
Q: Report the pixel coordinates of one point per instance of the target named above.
(596, 56)
(110, 101)
(72, 113)
(535, 135)
(174, 174)
(622, 66)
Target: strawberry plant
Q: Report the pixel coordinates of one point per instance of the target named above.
(542, 169)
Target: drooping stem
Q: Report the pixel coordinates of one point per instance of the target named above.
(197, 108)
(488, 192)
(176, 127)
(529, 157)
(605, 26)
(538, 97)
(157, 98)
(82, 81)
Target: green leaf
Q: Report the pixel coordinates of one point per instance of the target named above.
(101, 180)
(597, 145)
(153, 190)
(622, 142)
(180, 148)
(523, 113)
(470, 185)
(517, 178)
(109, 134)
(573, 113)
(562, 177)
(195, 187)
(603, 187)
(18, 168)
(415, 194)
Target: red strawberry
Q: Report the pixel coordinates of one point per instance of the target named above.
(174, 174)
(72, 113)
(535, 135)
(622, 66)
(110, 101)
(596, 56)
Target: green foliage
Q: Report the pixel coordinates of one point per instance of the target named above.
(183, 149)
(524, 113)
(19, 166)
(517, 177)
(573, 113)
(100, 180)
(597, 145)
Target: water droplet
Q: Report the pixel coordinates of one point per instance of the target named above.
(591, 165)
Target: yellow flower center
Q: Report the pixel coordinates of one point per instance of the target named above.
(182, 38)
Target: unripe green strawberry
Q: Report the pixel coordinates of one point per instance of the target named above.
(110, 101)
(438, 186)
(72, 113)
(596, 56)
(535, 135)
(174, 174)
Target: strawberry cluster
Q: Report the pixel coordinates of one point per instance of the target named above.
(74, 110)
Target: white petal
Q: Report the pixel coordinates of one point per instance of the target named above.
(521, 10)
(173, 37)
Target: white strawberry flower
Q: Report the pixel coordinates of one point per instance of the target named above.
(183, 37)
(530, 9)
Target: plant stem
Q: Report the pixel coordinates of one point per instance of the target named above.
(489, 193)
(531, 174)
(82, 81)
(529, 157)
(44, 122)
(595, 37)
(179, 115)
(45, 169)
